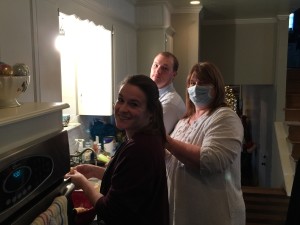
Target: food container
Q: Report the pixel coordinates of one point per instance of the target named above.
(83, 209)
(109, 144)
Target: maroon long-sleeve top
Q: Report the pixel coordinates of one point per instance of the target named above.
(134, 184)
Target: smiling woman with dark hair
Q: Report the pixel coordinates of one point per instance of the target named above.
(134, 185)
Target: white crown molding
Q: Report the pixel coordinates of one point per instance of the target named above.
(172, 9)
(282, 17)
(95, 6)
(191, 9)
(152, 27)
(147, 3)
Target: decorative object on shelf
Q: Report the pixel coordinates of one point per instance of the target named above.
(65, 119)
(20, 69)
(5, 69)
(14, 81)
(230, 98)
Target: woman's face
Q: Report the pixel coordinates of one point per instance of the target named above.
(130, 110)
(202, 94)
(196, 81)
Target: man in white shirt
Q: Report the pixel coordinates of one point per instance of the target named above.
(163, 71)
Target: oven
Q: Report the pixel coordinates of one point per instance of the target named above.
(31, 176)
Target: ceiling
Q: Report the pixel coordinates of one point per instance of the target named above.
(237, 9)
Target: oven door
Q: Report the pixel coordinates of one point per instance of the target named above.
(31, 176)
(26, 214)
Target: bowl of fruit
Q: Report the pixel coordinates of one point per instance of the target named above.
(14, 80)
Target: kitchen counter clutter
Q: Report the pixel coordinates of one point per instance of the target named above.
(30, 121)
(72, 126)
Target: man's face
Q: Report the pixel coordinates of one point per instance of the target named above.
(162, 71)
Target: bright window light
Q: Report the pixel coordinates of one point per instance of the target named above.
(291, 21)
(86, 66)
(194, 2)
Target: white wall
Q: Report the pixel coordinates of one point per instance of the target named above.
(186, 46)
(244, 50)
(15, 40)
(153, 21)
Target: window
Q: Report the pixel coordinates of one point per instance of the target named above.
(291, 21)
(86, 66)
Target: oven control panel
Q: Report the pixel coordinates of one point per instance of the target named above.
(21, 178)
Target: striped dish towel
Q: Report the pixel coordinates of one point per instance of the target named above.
(56, 214)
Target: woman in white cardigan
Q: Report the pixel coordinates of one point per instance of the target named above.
(203, 157)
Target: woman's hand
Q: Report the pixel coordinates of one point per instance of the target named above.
(186, 153)
(77, 178)
(90, 171)
(87, 170)
(169, 139)
(81, 182)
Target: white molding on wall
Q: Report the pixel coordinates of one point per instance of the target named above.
(153, 15)
(116, 12)
(282, 17)
(240, 21)
(191, 9)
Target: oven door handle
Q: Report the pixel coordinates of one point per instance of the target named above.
(68, 189)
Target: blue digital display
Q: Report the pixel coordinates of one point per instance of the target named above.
(17, 179)
(17, 174)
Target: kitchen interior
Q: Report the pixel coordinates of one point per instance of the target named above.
(73, 81)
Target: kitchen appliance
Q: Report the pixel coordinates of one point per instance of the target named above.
(31, 176)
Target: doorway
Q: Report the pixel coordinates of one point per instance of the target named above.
(294, 40)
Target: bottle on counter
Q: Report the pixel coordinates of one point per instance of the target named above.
(96, 146)
(79, 150)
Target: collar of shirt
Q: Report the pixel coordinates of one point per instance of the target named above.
(166, 89)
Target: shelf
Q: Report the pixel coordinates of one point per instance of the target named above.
(28, 122)
(72, 126)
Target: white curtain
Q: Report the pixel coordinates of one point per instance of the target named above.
(86, 63)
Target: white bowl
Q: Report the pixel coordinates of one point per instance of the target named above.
(12, 87)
